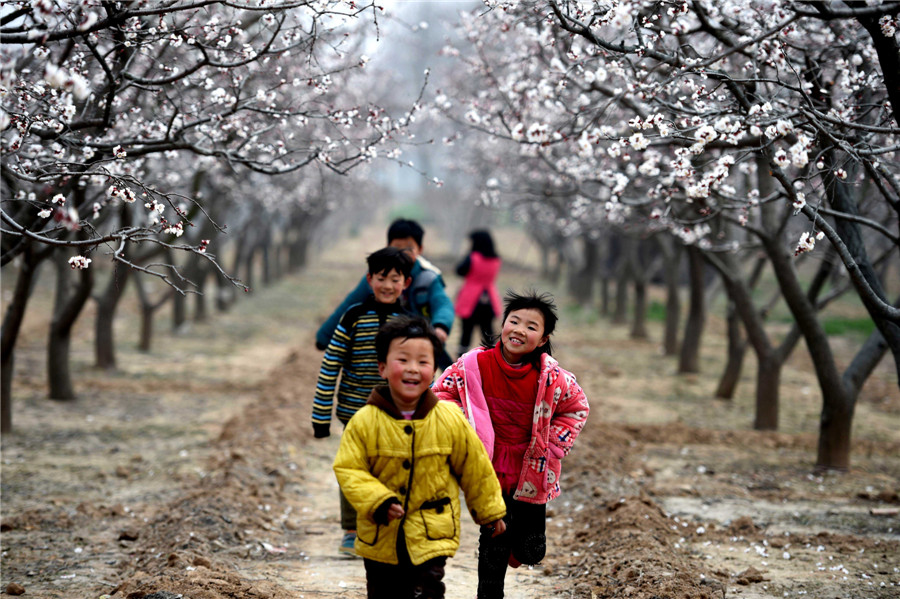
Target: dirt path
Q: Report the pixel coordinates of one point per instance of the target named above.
(316, 570)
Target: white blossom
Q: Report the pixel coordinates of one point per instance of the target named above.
(79, 262)
(806, 244)
(176, 229)
(799, 202)
(638, 141)
(121, 193)
(705, 134)
(781, 158)
(538, 133)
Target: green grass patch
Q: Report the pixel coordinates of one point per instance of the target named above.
(846, 326)
(656, 312)
(574, 313)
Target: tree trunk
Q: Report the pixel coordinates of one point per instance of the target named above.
(689, 359)
(12, 324)
(179, 312)
(298, 253)
(888, 57)
(835, 424)
(767, 392)
(639, 318)
(837, 400)
(108, 303)
(620, 312)
(66, 310)
(104, 341)
(249, 267)
(265, 248)
(737, 349)
(200, 312)
(545, 262)
(841, 198)
(556, 270)
(277, 259)
(148, 308)
(768, 384)
(582, 279)
(145, 342)
(671, 272)
(225, 293)
(837, 413)
(643, 266)
(604, 294)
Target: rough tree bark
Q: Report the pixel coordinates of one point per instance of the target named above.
(671, 253)
(148, 309)
(737, 348)
(31, 259)
(622, 273)
(67, 308)
(107, 303)
(583, 272)
(689, 357)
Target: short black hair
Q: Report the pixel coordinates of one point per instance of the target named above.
(405, 327)
(544, 303)
(403, 228)
(387, 259)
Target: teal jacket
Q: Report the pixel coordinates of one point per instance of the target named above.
(425, 296)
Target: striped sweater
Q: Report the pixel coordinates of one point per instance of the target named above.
(351, 349)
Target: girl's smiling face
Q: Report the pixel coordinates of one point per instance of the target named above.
(522, 333)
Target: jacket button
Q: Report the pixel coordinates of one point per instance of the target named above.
(402, 490)
(406, 464)
(408, 430)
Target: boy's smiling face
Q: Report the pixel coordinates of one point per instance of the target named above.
(387, 286)
(408, 370)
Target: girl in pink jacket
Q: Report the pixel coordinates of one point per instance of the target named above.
(527, 411)
(478, 301)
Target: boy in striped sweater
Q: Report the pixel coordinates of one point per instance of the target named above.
(351, 354)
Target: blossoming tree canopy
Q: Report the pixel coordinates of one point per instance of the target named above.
(730, 125)
(92, 90)
(664, 109)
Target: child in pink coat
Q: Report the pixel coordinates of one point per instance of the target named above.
(527, 411)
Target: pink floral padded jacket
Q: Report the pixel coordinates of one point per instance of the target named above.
(560, 411)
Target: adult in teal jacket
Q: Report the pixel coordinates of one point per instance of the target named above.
(426, 295)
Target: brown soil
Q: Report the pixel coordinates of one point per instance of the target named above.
(192, 473)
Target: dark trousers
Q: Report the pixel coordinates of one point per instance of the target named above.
(348, 514)
(405, 581)
(524, 539)
(483, 317)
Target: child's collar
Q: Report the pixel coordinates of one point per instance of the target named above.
(381, 398)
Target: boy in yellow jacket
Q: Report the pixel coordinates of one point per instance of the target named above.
(402, 460)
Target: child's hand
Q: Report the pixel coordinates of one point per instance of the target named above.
(395, 511)
(498, 527)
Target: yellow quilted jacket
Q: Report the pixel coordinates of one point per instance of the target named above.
(422, 462)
